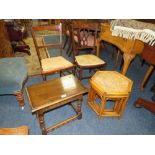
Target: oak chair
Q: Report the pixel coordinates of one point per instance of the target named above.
(13, 75)
(21, 130)
(48, 43)
(84, 40)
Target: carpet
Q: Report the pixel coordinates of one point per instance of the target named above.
(134, 121)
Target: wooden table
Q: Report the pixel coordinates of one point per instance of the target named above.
(129, 47)
(52, 94)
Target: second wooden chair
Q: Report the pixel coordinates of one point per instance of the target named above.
(84, 38)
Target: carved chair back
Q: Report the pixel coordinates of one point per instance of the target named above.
(84, 37)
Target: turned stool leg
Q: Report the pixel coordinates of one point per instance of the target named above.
(79, 108)
(20, 99)
(40, 117)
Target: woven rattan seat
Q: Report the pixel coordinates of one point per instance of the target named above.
(55, 64)
(88, 59)
(112, 82)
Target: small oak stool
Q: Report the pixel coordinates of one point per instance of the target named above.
(109, 86)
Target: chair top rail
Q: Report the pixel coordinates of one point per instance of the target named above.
(47, 27)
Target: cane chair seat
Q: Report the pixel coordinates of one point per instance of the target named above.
(54, 64)
(112, 82)
(109, 86)
(88, 60)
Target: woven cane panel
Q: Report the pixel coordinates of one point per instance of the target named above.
(88, 60)
(112, 82)
(55, 63)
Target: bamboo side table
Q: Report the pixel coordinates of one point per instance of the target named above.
(109, 86)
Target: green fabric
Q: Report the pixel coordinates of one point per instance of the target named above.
(13, 72)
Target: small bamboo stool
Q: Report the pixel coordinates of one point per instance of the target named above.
(109, 86)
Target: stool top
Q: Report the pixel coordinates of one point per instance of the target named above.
(111, 82)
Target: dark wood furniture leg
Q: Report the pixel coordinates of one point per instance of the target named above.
(44, 77)
(40, 117)
(69, 47)
(79, 107)
(66, 40)
(70, 50)
(149, 105)
(20, 99)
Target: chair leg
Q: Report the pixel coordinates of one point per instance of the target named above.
(69, 45)
(90, 71)
(44, 77)
(143, 61)
(105, 47)
(20, 99)
(80, 74)
(60, 73)
(66, 40)
(153, 88)
(113, 52)
(70, 49)
(74, 70)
